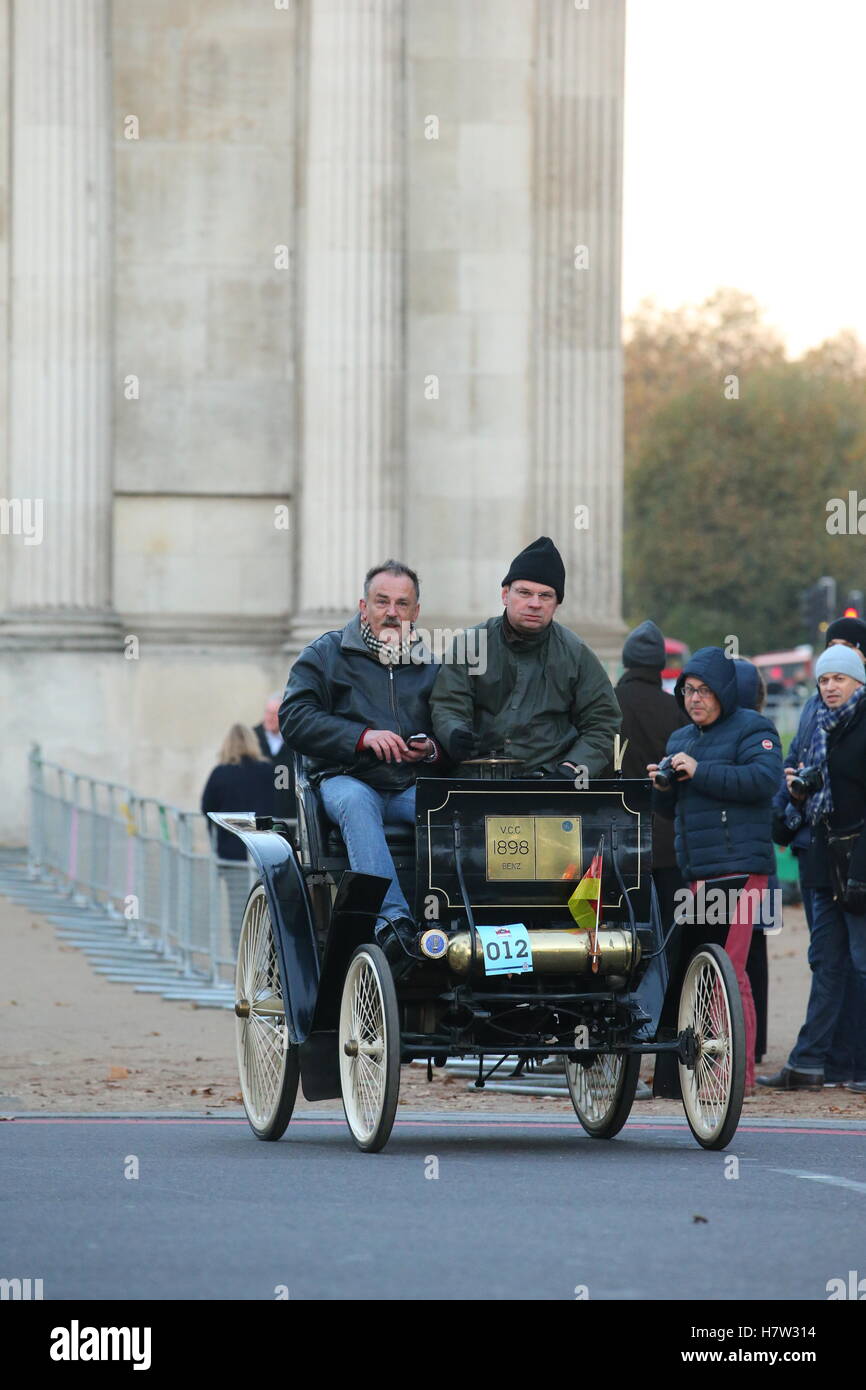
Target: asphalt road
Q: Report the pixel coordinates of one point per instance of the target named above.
(524, 1208)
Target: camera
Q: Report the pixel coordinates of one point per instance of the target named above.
(807, 781)
(666, 774)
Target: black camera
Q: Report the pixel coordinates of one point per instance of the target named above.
(666, 774)
(807, 781)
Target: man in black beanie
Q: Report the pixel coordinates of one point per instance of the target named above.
(538, 693)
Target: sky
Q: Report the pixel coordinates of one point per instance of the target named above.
(745, 158)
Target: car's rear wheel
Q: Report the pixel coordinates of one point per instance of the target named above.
(603, 1092)
(711, 1007)
(267, 1059)
(369, 1048)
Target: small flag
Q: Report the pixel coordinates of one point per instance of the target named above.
(585, 902)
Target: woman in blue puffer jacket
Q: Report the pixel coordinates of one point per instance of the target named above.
(728, 761)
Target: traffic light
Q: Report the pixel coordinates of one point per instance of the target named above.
(818, 609)
(854, 604)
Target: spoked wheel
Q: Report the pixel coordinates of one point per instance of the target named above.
(369, 1048)
(603, 1093)
(711, 1006)
(267, 1060)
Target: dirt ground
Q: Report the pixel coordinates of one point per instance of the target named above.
(70, 1041)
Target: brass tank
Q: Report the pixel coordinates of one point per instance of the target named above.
(557, 952)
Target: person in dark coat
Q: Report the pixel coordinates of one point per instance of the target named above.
(649, 717)
(274, 747)
(728, 762)
(839, 1067)
(751, 693)
(836, 874)
(541, 695)
(243, 780)
(354, 699)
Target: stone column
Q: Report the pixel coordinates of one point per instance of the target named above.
(58, 512)
(576, 299)
(352, 427)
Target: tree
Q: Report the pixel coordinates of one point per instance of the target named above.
(668, 351)
(727, 504)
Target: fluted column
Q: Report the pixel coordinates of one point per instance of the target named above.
(352, 429)
(576, 283)
(60, 441)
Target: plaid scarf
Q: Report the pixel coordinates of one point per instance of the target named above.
(389, 653)
(820, 803)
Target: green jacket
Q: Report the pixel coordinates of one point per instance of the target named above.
(546, 701)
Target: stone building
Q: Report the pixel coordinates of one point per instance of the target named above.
(289, 286)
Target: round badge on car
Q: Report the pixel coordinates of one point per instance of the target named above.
(434, 943)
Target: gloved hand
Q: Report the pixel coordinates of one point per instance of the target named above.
(854, 900)
(462, 745)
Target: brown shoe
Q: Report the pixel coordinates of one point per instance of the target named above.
(790, 1080)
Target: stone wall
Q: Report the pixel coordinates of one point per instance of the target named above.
(292, 286)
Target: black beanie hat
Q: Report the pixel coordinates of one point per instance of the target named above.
(540, 563)
(645, 646)
(851, 630)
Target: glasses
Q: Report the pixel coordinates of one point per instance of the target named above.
(690, 691)
(542, 598)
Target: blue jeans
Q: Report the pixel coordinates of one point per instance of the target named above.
(846, 1060)
(837, 955)
(361, 812)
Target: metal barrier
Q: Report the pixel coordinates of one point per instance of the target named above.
(146, 865)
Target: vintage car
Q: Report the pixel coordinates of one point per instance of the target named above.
(498, 968)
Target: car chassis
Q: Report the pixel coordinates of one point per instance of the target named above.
(491, 866)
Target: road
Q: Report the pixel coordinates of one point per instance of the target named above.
(522, 1207)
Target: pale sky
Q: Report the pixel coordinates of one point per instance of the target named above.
(745, 158)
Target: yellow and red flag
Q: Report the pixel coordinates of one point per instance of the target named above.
(585, 902)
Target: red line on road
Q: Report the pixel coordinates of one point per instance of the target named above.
(441, 1124)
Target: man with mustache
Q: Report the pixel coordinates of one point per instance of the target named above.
(354, 700)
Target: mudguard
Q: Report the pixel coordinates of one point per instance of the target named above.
(313, 1003)
(290, 910)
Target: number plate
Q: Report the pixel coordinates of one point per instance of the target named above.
(530, 849)
(507, 950)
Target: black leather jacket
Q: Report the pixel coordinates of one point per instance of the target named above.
(338, 688)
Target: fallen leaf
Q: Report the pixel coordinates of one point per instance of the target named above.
(194, 1091)
(155, 1035)
(117, 1073)
(700, 1220)
(207, 1090)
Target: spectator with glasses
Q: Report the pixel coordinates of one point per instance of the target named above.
(726, 763)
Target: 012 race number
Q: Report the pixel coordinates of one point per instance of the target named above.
(507, 949)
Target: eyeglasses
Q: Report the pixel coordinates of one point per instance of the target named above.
(690, 691)
(546, 597)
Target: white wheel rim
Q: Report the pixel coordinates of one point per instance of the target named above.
(262, 1037)
(704, 1007)
(364, 1073)
(595, 1089)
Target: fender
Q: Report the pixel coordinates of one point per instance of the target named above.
(291, 914)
